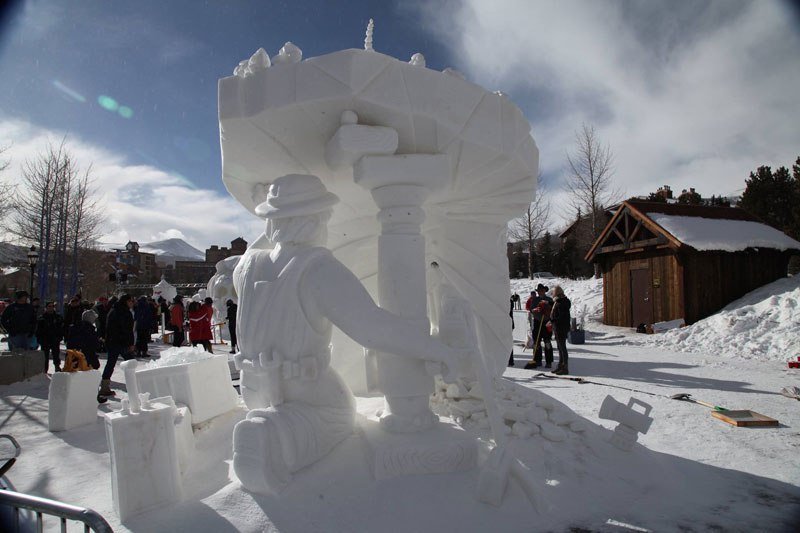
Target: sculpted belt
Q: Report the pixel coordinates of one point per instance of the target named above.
(272, 370)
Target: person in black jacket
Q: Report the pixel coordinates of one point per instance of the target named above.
(19, 321)
(561, 323)
(143, 314)
(49, 331)
(72, 314)
(83, 337)
(119, 339)
(231, 318)
(101, 310)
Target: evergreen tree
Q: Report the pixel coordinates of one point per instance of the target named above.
(773, 197)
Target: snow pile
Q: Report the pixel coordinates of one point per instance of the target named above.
(764, 324)
(179, 356)
(523, 414)
(586, 295)
(721, 234)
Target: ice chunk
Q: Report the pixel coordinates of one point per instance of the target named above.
(258, 61)
(289, 53)
(418, 60)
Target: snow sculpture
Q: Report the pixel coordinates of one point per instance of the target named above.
(427, 165)
(289, 297)
(220, 289)
(452, 319)
(631, 422)
(289, 53)
(72, 399)
(283, 121)
(193, 377)
(418, 60)
(145, 463)
(368, 38)
(164, 290)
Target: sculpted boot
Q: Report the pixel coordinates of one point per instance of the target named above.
(257, 457)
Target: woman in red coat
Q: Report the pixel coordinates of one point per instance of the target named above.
(200, 326)
(176, 321)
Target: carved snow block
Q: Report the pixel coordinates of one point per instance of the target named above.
(184, 435)
(20, 365)
(442, 449)
(144, 458)
(72, 399)
(204, 386)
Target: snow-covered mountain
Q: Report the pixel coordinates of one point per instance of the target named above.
(171, 250)
(12, 254)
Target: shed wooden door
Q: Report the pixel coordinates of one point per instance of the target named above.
(641, 298)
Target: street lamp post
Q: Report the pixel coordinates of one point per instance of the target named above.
(33, 257)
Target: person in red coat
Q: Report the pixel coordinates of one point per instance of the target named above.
(200, 326)
(176, 321)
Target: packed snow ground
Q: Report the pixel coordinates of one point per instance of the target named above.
(691, 472)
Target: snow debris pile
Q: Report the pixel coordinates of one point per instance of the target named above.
(524, 415)
(180, 356)
(764, 324)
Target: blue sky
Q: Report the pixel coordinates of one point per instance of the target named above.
(689, 93)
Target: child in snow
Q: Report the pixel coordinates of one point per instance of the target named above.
(83, 337)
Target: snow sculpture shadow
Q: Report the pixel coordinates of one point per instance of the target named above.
(291, 291)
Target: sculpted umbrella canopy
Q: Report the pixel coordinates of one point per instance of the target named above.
(277, 120)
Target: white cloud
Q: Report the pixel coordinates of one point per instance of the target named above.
(142, 203)
(171, 233)
(687, 94)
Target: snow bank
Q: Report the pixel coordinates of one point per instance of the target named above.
(722, 234)
(764, 324)
(583, 293)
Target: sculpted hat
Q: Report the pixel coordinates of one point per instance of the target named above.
(296, 195)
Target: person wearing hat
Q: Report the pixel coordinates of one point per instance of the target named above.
(19, 321)
(292, 291)
(83, 337)
(50, 331)
(539, 312)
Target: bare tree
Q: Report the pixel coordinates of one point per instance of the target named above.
(55, 207)
(591, 169)
(531, 226)
(6, 188)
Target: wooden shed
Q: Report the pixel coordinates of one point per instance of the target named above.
(664, 261)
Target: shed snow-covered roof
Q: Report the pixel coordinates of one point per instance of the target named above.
(639, 225)
(705, 234)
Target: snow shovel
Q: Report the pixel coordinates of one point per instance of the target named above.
(688, 398)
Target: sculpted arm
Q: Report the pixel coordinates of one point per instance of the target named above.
(341, 298)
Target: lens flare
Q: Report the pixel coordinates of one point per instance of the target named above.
(75, 95)
(125, 111)
(107, 103)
